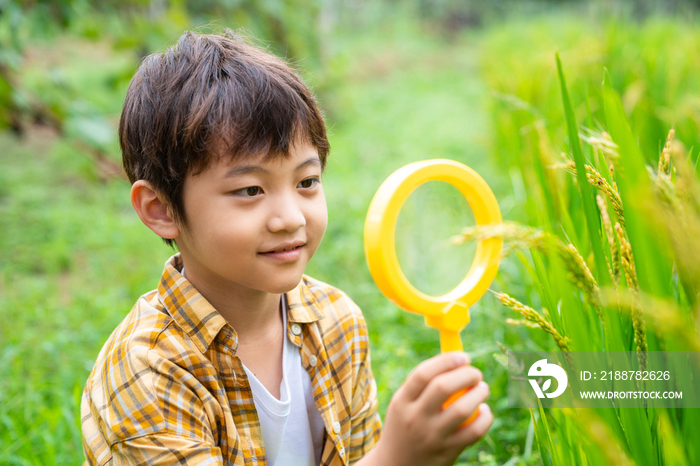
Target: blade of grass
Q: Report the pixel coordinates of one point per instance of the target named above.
(592, 217)
(650, 246)
(638, 431)
(673, 451)
(691, 434)
(544, 437)
(546, 290)
(547, 197)
(576, 320)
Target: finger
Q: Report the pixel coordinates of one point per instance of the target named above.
(455, 414)
(444, 385)
(427, 370)
(470, 434)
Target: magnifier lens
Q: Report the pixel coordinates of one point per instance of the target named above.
(433, 213)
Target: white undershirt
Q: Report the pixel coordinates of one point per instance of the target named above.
(292, 427)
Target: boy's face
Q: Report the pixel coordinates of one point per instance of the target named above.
(254, 224)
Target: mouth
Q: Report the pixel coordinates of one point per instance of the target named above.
(286, 251)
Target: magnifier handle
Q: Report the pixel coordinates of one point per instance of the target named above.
(450, 341)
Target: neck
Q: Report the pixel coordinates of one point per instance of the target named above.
(254, 314)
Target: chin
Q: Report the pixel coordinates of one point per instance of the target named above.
(283, 286)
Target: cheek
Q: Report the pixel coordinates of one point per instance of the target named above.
(221, 228)
(320, 217)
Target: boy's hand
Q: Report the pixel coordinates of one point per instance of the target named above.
(418, 430)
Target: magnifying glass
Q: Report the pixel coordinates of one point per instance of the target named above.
(448, 313)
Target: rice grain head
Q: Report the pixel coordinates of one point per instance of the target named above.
(665, 158)
(597, 180)
(580, 275)
(602, 142)
(638, 321)
(533, 316)
(614, 266)
(516, 236)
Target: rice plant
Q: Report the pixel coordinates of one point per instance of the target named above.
(614, 254)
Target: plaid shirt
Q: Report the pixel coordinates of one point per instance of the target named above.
(168, 388)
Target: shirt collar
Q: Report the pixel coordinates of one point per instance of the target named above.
(302, 304)
(190, 310)
(202, 322)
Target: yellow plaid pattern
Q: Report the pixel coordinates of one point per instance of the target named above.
(167, 387)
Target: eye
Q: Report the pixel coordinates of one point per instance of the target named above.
(250, 191)
(309, 182)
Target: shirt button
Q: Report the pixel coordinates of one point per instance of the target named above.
(342, 451)
(336, 427)
(296, 329)
(313, 360)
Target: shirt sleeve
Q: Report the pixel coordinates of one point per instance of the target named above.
(152, 413)
(366, 425)
(165, 449)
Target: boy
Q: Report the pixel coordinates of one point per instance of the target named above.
(237, 357)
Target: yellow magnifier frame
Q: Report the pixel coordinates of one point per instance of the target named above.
(448, 313)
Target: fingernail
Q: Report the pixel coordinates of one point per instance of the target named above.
(483, 384)
(461, 359)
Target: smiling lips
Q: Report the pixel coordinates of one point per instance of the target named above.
(287, 252)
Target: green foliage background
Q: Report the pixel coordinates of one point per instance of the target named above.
(399, 82)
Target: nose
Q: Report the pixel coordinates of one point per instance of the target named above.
(286, 214)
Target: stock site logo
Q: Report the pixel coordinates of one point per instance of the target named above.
(542, 369)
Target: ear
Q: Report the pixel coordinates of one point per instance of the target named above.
(153, 212)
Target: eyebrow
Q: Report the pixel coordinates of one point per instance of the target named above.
(253, 169)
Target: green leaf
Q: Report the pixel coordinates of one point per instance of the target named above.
(638, 431)
(592, 217)
(672, 448)
(650, 245)
(543, 436)
(549, 200)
